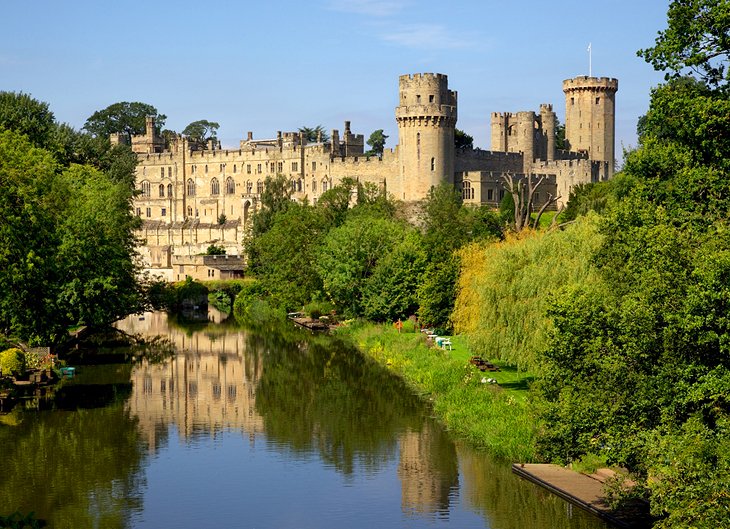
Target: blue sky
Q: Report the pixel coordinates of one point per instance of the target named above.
(278, 65)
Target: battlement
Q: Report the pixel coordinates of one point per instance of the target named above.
(423, 78)
(583, 82)
(545, 107)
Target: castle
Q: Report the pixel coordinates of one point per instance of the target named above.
(192, 196)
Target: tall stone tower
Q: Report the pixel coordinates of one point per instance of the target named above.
(426, 120)
(590, 123)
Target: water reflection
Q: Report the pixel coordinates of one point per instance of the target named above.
(273, 429)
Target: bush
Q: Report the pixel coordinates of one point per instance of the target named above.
(318, 308)
(12, 362)
(251, 290)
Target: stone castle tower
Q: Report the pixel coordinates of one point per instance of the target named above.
(426, 120)
(590, 124)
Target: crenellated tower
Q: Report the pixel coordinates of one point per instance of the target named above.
(590, 117)
(426, 119)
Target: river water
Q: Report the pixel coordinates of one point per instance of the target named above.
(275, 429)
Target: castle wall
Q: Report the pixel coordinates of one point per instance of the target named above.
(569, 173)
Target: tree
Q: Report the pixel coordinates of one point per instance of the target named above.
(23, 114)
(523, 192)
(125, 118)
(376, 141)
(695, 40)
(560, 135)
(201, 131)
(314, 134)
(462, 140)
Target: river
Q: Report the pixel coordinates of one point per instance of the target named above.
(222, 427)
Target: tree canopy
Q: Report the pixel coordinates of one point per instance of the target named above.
(462, 140)
(125, 118)
(376, 141)
(201, 130)
(311, 134)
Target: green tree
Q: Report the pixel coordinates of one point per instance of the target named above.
(311, 134)
(462, 140)
(124, 117)
(201, 130)
(25, 115)
(696, 41)
(376, 141)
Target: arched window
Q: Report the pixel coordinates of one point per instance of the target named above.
(249, 187)
(162, 190)
(145, 189)
(230, 186)
(169, 190)
(215, 187)
(234, 167)
(324, 185)
(293, 185)
(206, 168)
(259, 187)
(466, 191)
(191, 187)
(314, 186)
(299, 185)
(190, 211)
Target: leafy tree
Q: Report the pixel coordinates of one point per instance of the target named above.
(560, 143)
(462, 140)
(310, 134)
(201, 130)
(215, 250)
(23, 114)
(124, 117)
(696, 39)
(376, 141)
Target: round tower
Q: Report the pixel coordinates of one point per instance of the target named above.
(547, 121)
(590, 117)
(426, 119)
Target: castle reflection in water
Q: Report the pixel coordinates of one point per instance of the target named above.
(209, 386)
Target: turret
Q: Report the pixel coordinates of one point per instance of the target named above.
(590, 123)
(547, 121)
(426, 120)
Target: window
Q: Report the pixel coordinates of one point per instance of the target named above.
(314, 186)
(248, 168)
(144, 171)
(206, 168)
(259, 187)
(294, 167)
(230, 186)
(280, 167)
(169, 172)
(490, 194)
(466, 190)
(433, 164)
(139, 212)
(293, 185)
(193, 169)
(163, 212)
(145, 189)
(148, 212)
(501, 194)
(162, 190)
(234, 168)
(572, 101)
(169, 190)
(314, 166)
(191, 187)
(162, 172)
(258, 168)
(222, 167)
(418, 99)
(299, 185)
(249, 187)
(324, 186)
(430, 98)
(272, 167)
(418, 145)
(190, 214)
(598, 101)
(215, 187)
(537, 198)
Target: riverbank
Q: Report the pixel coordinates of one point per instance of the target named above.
(493, 417)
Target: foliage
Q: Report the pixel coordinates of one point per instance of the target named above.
(462, 140)
(12, 363)
(390, 292)
(696, 39)
(376, 141)
(215, 250)
(596, 196)
(560, 143)
(201, 131)
(504, 289)
(316, 309)
(28, 116)
(311, 134)
(437, 293)
(124, 117)
(17, 520)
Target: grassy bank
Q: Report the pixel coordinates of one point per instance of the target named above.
(493, 417)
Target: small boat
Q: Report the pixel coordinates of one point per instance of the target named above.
(68, 371)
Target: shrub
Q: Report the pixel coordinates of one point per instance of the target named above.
(12, 362)
(318, 308)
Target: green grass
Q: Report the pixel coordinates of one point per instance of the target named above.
(491, 417)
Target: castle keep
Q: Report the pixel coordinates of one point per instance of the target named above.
(192, 196)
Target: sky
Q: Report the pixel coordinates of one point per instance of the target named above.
(269, 65)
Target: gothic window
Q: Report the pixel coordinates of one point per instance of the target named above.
(169, 190)
(215, 187)
(162, 190)
(299, 185)
(466, 190)
(145, 189)
(314, 186)
(324, 185)
(249, 187)
(248, 168)
(190, 211)
(230, 186)
(259, 187)
(280, 167)
(169, 172)
(162, 172)
(191, 187)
